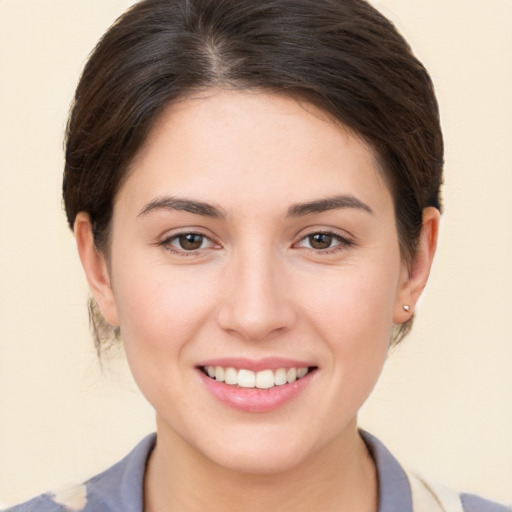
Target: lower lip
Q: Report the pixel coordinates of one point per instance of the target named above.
(254, 399)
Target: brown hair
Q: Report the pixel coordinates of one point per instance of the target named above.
(342, 56)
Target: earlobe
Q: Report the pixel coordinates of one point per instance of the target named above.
(415, 277)
(95, 268)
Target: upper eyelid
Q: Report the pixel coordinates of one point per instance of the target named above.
(183, 233)
(166, 240)
(167, 244)
(176, 232)
(336, 236)
(335, 232)
(170, 238)
(344, 241)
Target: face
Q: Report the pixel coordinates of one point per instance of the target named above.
(254, 243)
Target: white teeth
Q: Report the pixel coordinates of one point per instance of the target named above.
(231, 376)
(246, 379)
(280, 377)
(219, 373)
(264, 379)
(301, 372)
(291, 375)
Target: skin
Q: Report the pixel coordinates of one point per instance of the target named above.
(256, 287)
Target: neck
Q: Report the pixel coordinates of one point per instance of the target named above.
(339, 477)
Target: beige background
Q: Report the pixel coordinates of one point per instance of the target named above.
(444, 404)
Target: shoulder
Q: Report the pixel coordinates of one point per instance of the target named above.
(118, 489)
(426, 495)
(406, 491)
(69, 499)
(43, 503)
(473, 503)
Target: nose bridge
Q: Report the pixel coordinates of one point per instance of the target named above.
(254, 300)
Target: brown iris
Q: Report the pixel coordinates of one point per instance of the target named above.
(320, 240)
(190, 241)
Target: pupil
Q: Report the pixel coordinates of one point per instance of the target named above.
(190, 241)
(320, 241)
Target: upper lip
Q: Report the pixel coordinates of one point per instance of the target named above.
(256, 365)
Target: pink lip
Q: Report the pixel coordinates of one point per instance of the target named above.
(252, 399)
(256, 365)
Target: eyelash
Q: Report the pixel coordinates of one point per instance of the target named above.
(342, 243)
(167, 244)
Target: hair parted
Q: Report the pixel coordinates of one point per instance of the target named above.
(342, 56)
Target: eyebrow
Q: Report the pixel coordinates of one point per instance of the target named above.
(216, 212)
(329, 203)
(184, 205)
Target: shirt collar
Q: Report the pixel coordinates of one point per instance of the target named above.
(394, 488)
(121, 487)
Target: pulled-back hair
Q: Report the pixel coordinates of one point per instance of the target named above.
(342, 56)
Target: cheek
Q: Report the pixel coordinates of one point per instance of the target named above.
(160, 314)
(353, 300)
(353, 313)
(159, 309)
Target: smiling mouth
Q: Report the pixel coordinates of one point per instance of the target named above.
(264, 379)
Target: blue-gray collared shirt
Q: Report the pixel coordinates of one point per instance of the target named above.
(120, 488)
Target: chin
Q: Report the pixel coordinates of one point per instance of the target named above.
(264, 451)
(263, 461)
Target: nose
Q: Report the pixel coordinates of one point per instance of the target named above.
(256, 303)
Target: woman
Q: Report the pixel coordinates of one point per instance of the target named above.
(254, 190)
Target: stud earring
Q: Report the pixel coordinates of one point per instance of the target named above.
(406, 307)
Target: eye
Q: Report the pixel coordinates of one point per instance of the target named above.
(324, 242)
(320, 240)
(187, 243)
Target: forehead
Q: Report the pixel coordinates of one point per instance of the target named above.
(225, 145)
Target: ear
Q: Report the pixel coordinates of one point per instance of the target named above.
(96, 268)
(414, 276)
